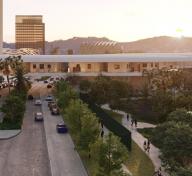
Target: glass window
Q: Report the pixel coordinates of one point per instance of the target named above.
(49, 66)
(88, 66)
(34, 66)
(116, 66)
(41, 66)
(144, 64)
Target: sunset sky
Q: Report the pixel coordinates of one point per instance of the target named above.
(120, 20)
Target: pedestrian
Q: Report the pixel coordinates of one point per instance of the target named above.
(132, 121)
(102, 133)
(145, 146)
(135, 123)
(102, 124)
(127, 117)
(148, 145)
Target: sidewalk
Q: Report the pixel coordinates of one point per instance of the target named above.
(139, 139)
(8, 134)
(64, 160)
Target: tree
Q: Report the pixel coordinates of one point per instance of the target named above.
(177, 145)
(9, 65)
(110, 154)
(99, 90)
(181, 116)
(13, 108)
(85, 86)
(83, 124)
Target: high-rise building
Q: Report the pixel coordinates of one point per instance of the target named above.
(1, 26)
(30, 32)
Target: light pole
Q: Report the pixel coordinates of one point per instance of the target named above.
(1, 27)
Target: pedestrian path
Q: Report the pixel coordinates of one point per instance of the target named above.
(64, 160)
(139, 139)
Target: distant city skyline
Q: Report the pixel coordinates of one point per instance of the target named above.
(119, 20)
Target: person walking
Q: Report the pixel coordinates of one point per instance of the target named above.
(145, 146)
(135, 123)
(148, 145)
(102, 133)
(127, 117)
(132, 122)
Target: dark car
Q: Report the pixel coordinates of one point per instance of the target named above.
(49, 86)
(38, 116)
(61, 128)
(50, 103)
(30, 97)
(45, 81)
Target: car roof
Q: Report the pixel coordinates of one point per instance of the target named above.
(39, 113)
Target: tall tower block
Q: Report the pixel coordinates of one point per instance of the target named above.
(1, 26)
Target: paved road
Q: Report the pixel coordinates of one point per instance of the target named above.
(26, 154)
(64, 160)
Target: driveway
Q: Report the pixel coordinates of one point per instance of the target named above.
(26, 154)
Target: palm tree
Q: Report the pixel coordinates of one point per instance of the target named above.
(8, 66)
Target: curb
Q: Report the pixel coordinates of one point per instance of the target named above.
(12, 136)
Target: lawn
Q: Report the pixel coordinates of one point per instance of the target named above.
(138, 162)
(118, 117)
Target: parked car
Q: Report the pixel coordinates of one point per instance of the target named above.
(38, 116)
(30, 97)
(61, 128)
(49, 86)
(49, 98)
(4, 84)
(55, 110)
(38, 102)
(50, 103)
(46, 82)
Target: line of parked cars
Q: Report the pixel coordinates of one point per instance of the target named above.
(60, 127)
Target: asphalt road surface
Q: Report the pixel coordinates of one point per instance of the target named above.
(26, 154)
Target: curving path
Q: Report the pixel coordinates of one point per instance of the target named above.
(139, 139)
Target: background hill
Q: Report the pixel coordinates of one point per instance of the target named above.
(162, 44)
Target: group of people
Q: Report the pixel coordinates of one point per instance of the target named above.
(147, 145)
(133, 121)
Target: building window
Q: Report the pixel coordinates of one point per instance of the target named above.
(41, 66)
(128, 66)
(49, 66)
(144, 64)
(34, 66)
(116, 66)
(89, 66)
(151, 64)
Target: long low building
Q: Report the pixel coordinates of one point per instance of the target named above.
(107, 64)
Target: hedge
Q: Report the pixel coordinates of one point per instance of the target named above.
(109, 122)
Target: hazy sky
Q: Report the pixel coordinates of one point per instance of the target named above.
(120, 20)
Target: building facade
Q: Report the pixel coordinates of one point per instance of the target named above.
(1, 26)
(109, 65)
(30, 32)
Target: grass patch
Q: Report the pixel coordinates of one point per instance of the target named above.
(139, 163)
(118, 117)
(147, 132)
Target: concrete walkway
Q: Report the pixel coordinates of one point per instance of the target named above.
(64, 160)
(139, 139)
(7, 134)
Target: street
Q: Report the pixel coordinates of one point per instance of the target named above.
(26, 154)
